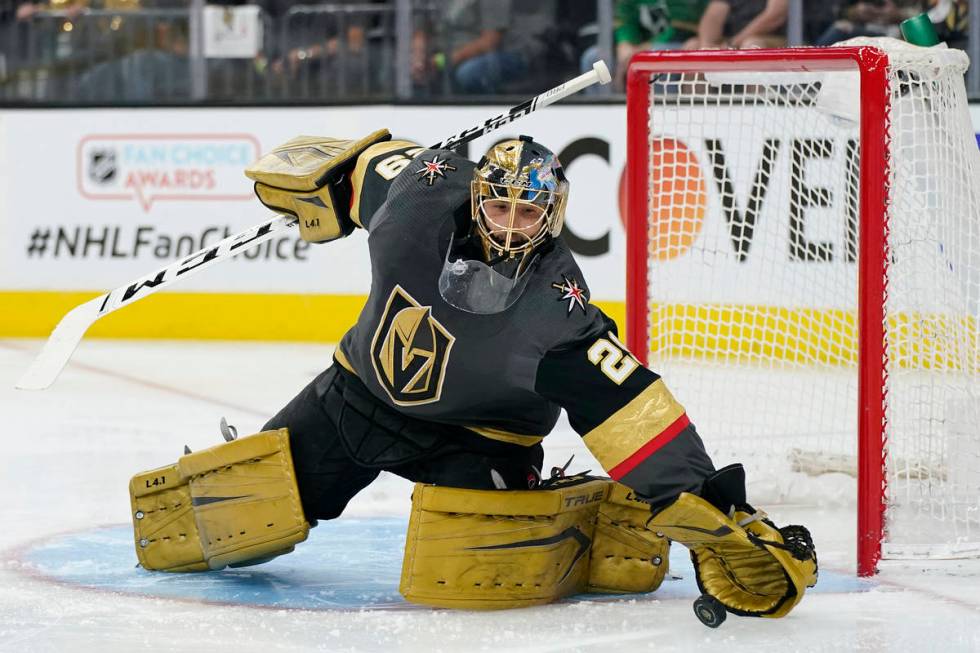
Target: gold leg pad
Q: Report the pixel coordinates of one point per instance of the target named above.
(233, 504)
(163, 522)
(487, 549)
(245, 498)
(626, 555)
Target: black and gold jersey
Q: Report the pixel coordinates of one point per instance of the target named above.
(505, 375)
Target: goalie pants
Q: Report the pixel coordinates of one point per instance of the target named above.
(342, 438)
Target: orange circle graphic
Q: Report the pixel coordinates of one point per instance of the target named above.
(677, 198)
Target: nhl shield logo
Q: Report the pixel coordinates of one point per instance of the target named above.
(410, 351)
(102, 166)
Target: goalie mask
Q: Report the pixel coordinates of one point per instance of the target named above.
(518, 197)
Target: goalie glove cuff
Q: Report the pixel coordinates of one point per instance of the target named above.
(725, 489)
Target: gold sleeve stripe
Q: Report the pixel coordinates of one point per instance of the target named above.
(658, 441)
(635, 428)
(507, 436)
(357, 177)
(341, 358)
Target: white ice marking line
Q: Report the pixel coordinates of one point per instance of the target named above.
(153, 385)
(958, 602)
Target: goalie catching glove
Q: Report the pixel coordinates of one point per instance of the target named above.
(741, 559)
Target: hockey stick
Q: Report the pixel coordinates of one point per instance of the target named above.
(61, 344)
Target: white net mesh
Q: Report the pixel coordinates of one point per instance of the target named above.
(753, 230)
(933, 309)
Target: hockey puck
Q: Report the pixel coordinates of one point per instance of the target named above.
(710, 611)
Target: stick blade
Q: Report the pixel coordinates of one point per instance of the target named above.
(61, 344)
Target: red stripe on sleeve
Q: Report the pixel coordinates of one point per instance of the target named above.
(651, 447)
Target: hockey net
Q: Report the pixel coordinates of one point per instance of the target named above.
(804, 271)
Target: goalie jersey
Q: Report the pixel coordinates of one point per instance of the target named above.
(504, 376)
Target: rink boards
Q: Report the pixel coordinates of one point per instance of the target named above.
(90, 199)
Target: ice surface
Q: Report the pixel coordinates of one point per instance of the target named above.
(351, 563)
(122, 407)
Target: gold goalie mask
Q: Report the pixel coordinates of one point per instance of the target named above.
(519, 193)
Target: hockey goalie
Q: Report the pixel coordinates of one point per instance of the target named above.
(477, 331)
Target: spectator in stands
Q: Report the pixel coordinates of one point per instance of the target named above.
(655, 24)
(884, 17)
(818, 16)
(27, 10)
(952, 21)
(741, 24)
(7, 36)
(322, 50)
(55, 41)
(647, 25)
(325, 47)
(483, 44)
(870, 18)
(155, 68)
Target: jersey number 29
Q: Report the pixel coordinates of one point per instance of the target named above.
(612, 358)
(389, 167)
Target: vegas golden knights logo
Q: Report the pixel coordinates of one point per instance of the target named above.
(410, 350)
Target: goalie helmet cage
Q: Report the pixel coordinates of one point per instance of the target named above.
(803, 268)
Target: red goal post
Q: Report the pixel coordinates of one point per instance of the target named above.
(688, 113)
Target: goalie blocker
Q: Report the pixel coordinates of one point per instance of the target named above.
(308, 177)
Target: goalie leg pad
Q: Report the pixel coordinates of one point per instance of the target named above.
(753, 568)
(627, 556)
(494, 549)
(237, 503)
(246, 502)
(163, 522)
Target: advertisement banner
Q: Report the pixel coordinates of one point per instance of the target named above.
(98, 197)
(766, 211)
(91, 199)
